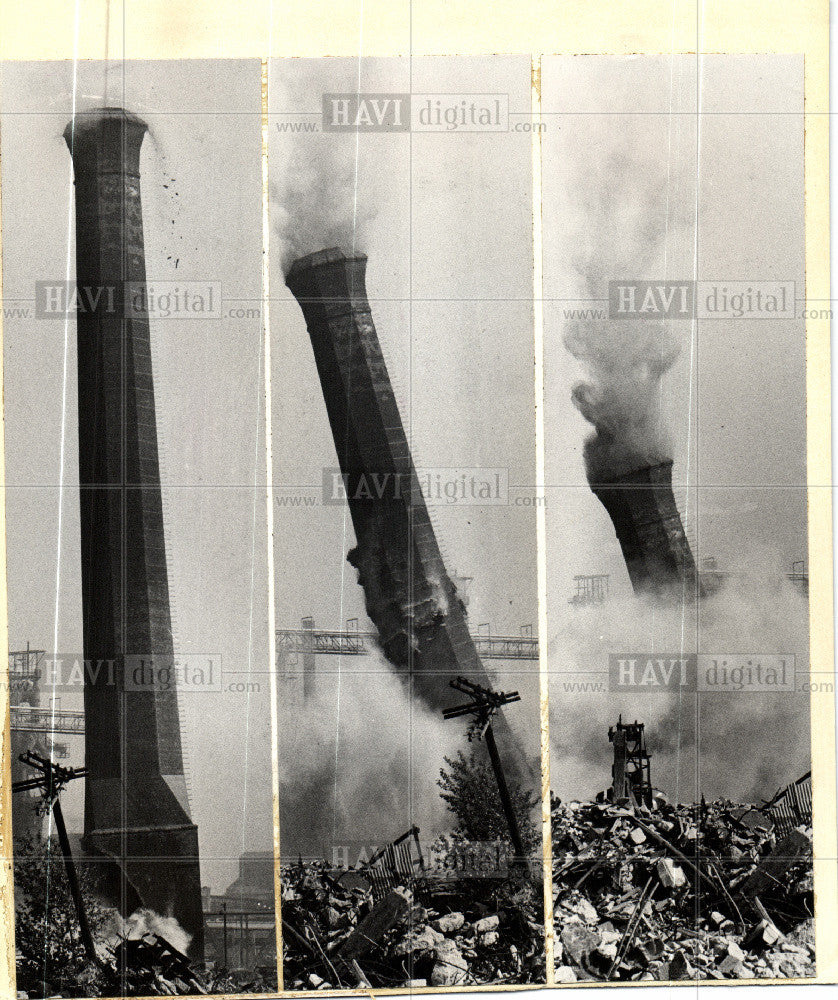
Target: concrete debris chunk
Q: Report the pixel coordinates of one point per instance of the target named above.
(425, 939)
(450, 968)
(608, 934)
(580, 907)
(796, 844)
(394, 907)
(449, 923)
(732, 968)
(735, 952)
(670, 874)
(679, 966)
(607, 949)
(578, 940)
(764, 934)
(651, 948)
(793, 969)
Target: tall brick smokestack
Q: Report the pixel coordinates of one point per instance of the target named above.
(409, 595)
(137, 818)
(642, 508)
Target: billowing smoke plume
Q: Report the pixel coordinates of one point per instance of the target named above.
(738, 744)
(636, 223)
(315, 201)
(323, 185)
(359, 760)
(621, 399)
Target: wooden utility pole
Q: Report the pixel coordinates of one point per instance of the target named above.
(51, 782)
(483, 706)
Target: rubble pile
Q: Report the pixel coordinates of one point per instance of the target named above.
(146, 964)
(710, 891)
(428, 931)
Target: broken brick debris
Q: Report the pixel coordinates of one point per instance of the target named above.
(434, 931)
(706, 891)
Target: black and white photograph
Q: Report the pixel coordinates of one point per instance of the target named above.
(676, 519)
(136, 529)
(416, 498)
(403, 467)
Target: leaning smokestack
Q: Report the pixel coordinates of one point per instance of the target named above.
(409, 596)
(136, 815)
(642, 509)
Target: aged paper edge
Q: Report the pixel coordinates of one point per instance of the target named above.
(201, 29)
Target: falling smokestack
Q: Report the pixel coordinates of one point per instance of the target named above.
(410, 598)
(136, 808)
(642, 508)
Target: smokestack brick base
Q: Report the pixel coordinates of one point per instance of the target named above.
(136, 807)
(409, 596)
(642, 509)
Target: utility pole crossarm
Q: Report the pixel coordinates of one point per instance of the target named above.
(484, 704)
(53, 777)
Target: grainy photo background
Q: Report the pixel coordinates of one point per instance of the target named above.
(445, 220)
(188, 29)
(200, 186)
(658, 170)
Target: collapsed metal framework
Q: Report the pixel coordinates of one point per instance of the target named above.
(792, 805)
(394, 863)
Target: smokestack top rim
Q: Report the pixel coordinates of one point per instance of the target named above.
(321, 258)
(84, 122)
